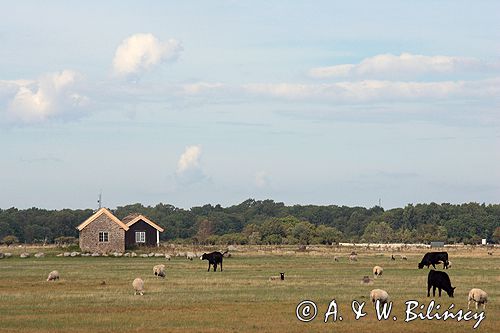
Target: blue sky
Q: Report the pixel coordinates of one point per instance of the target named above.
(196, 102)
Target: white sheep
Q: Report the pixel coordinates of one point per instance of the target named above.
(336, 258)
(159, 270)
(281, 277)
(167, 256)
(190, 255)
(377, 271)
(479, 296)
(138, 285)
(54, 275)
(404, 257)
(353, 257)
(449, 264)
(378, 294)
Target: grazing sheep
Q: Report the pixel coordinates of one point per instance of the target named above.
(377, 271)
(380, 295)
(138, 285)
(449, 264)
(190, 255)
(275, 277)
(490, 253)
(167, 256)
(392, 257)
(404, 257)
(478, 296)
(159, 270)
(39, 255)
(366, 280)
(353, 257)
(336, 258)
(54, 275)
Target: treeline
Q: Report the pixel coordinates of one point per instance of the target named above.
(269, 222)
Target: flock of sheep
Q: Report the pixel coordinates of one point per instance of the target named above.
(476, 295)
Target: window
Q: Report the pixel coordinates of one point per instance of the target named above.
(103, 236)
(140, 237)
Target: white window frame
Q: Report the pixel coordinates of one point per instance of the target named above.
(103, 236)
(140, 237)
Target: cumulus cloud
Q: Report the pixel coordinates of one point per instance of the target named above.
(403, 66)
(141, 52)
(189, 169)
(190, 159)
(52, 95)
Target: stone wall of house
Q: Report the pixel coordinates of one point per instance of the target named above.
(89, 236)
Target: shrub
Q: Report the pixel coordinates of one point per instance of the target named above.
(10, 239)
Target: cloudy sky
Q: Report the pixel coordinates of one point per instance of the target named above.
(194, 102)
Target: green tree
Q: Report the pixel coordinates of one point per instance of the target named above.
(378, 232)
(327, 235)
(496, 235)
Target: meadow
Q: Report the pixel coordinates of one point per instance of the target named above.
(95, 294)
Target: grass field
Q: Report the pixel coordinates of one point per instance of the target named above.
(240, 299)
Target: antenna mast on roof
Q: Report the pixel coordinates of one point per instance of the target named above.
(99, 201)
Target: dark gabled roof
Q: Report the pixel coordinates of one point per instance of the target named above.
(134, 218)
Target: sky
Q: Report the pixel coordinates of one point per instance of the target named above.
(197, 102)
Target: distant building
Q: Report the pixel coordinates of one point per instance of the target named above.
(103, 232)
(142, 231)
(437, 244)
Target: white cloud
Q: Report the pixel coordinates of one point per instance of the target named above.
(379, 91)
(141, 52)
(189, 160)
(403, 66)
(201, 87)
(189, 170)
(52, 95)
(261, 179)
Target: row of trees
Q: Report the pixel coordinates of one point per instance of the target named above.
(269, 222)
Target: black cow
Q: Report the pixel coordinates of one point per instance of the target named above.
(440, 280)
(433, 258)
(214, 258)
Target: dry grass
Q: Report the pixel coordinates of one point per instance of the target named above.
(240, 299)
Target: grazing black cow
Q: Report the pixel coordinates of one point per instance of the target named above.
(440, 280)
(433, 258)
(214, 258)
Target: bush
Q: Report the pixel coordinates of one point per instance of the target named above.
(10, 239)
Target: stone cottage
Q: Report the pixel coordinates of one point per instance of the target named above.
(102, 232)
